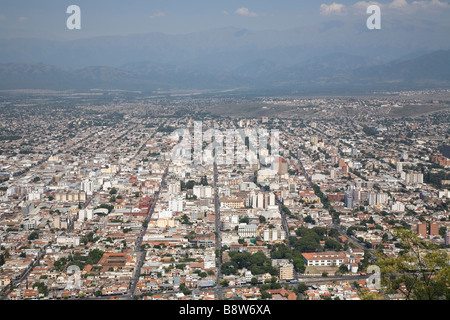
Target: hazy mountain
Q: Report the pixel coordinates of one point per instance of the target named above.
(217, 48)
(329, 72)
(425, 71)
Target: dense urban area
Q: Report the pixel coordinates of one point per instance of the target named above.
(102, 198)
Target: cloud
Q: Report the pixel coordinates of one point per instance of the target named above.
(332, 9)
(157, 15)
(431, 4)
(22, 19)
(225, 12)
(400, 6)
(245, 12)
(363, 5)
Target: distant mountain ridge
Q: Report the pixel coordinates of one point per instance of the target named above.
(336, 71)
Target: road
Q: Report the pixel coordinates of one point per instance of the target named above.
(218, 238)
(141, 253)
(219, 290)
(24, 275)
(342, 231)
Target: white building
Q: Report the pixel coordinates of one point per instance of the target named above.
(273, 235)
(85, 214)
(176, 205)
(247, 230)
(88, 187)
(202, 192)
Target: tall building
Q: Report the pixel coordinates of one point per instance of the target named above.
(176, 205)
(447, 238)
(282, 166)
(202, 192)
(88, 187)
(412, 178)
(314, 140)
(174, 188)
(399, 166)
(333, 173)
(286, 271)
(434, 229)
(348, 199)
(27, 208)
(382, 198)
(372, 198)
(422, 229)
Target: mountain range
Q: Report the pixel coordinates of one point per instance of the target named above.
(224, 59)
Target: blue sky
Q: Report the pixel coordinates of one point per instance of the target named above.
(47, 18)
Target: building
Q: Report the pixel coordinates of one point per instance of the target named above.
(422, 229)
(329, 258)
(88, 187)
(27, 208)
(287, 271)
(202, 192)
(412, 178)
(176, 205)
(434, 229)
(232, 203)
(273, 235)
(174, 188)
(348, 199)
(247, 230)
(447, 238)
(70, 196)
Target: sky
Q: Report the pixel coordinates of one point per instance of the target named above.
(47, 18)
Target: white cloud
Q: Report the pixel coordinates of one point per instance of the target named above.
(225, 12)
(332, 9)
(245, 12)
(432, 3)
(22, 19)
(157, 15)
(398, 4)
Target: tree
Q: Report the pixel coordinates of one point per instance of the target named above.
(33, 236)
(254, 281)
(302, 287)
(244, 220)
(442, 231)
(420, 272)
(299, 264)
(343, 268)
(224, 282)
(265, 295)
(309, 219)
(185, 219)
